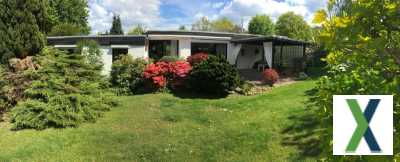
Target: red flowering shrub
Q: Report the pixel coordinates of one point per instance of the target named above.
(180, 69)
(159, 81)
(197, 58)
(162, 73)
(270, 76)
(152, 70)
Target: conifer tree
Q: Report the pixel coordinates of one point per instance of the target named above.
(66, 91)
(21, 23)
(116, 28)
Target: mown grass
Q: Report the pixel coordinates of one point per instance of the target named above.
(162, 127)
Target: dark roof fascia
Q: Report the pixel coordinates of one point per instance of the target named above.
(199, 33)
(276, 39)
(102, 40)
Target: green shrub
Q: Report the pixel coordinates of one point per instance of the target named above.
(66, 91)
(214, 76)
(3, 98)
(170, 59)
(127, 74)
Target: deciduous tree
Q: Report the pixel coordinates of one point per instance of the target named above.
(261, 24)
(138, 30)
(73, 12)
(293, 26)
(363, 38)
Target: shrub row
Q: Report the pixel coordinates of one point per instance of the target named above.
(201, 73)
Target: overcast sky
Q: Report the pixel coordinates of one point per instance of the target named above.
(170, 14)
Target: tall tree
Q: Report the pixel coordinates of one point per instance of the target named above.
(21, 23)
(74, 12)
(116, 28)
(202, 25)
(65, 29)
(224, 25)
(262, 25)
(138, 30)
(293, 26)
(363, 38)
(182, 28)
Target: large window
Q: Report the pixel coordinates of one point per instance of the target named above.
(161, 48)
(218, 49)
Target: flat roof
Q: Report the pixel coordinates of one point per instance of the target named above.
(140, 39)
(278, 40)
(200, 33)
(101, 39)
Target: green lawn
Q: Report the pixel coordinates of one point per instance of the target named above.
(161, 127)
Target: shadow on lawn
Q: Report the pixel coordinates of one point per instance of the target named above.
(194, 95)
(302, 132)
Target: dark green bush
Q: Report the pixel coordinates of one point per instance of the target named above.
(214, 76)
(66, 91)
(127, 74)
(170, 59)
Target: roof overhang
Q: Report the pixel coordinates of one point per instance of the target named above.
(102, 40)
(277, 40)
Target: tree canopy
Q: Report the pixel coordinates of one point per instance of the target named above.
(65, 29)
(261, 24)
(363, 38)
(202, 25)
(73, 12)
(21, 23)
(116, 28)
(223, 24)
(293, 26)
(138, 30)
(182, 28)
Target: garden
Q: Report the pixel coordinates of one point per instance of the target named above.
(55, 105)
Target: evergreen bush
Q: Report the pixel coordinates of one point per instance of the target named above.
(214, 76)
(65, 92)
(126, 74)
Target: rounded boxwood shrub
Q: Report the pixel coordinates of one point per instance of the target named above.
(214, 76)
(126, 74)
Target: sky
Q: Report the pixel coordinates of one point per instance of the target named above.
(170, 14)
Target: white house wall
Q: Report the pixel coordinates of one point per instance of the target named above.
(106, 56)
(137, 51)
(185, 46)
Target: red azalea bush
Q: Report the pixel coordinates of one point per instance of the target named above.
(197, 58)
(162, 73)
(270, 76)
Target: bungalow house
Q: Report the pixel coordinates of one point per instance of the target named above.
(245, 51)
